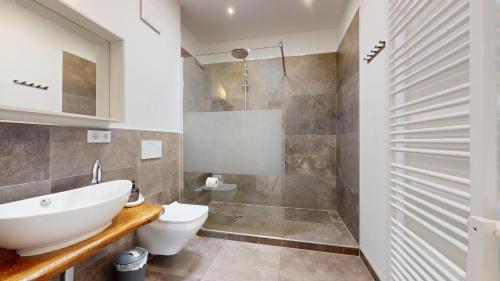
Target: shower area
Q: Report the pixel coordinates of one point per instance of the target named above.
(280, 133)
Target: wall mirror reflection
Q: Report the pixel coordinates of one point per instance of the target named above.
(51, 64)
(79, 85)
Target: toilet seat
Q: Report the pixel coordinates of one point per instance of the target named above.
(176, 213)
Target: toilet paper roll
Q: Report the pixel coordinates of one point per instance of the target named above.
(220, 178)
(212, 182)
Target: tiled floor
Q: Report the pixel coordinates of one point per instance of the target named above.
(210, 259)
(324, 227)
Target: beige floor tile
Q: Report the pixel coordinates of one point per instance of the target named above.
(192, 262)
(301, 265)
(209, 259)
(160, 276)
(245, 262)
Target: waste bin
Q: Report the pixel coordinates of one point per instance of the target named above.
(131, 265)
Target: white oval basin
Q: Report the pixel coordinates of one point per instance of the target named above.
(66, 219)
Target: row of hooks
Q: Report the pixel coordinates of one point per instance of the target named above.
(32, 85)
(375, 51)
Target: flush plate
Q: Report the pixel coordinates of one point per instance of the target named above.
(151, 149)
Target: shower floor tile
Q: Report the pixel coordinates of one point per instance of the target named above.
(224, 208)
(304, 215)
(263, 226)
(220, 221)
(323, 233)
(305, 225)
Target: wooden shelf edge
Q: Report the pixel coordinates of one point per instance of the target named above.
(45, 266)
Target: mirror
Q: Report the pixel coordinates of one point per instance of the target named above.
(79, 85)
(51, 64)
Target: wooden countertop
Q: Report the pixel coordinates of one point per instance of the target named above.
(45, 266)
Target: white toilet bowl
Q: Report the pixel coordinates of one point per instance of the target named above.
(170, 233)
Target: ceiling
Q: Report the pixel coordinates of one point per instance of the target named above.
(210, 21)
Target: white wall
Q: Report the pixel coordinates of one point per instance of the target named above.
(189, 42)
(21, 30)
(349, 12)
(373, 151)
(153, 99)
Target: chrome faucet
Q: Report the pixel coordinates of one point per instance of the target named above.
(96, 176)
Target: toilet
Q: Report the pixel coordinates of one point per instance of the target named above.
(169, 234)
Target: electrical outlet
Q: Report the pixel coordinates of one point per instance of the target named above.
(94, 136)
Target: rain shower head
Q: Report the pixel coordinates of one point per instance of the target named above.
(240, 53)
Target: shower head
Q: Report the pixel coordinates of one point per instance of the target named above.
(239, 53)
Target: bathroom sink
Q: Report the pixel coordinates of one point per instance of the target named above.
(47, 223)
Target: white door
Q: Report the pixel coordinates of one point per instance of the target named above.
(442, 140)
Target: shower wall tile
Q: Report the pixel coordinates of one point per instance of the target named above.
(310, 115)
(310, 111)
(224, 75)
(39, 160)
(216, 104)
(311, 75)
(23, 191)
(24, 153)
(348, 106)
(348, 128)
(79, 84)
(265, 80)
(127, 240)
(161, 198)
(154, 178)
(310, 192)
(348, 159)
(348, 208)
(171, 146)
(310, 155)
(191, 190)
(252, 189)
(326, 126)
(307, 97)
(100, 266)
(311, 106)
(131, 174)
(68, 183)
(310, 165)
(310, 145)
(72, 155)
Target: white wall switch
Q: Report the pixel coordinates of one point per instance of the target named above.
(94, 136)
(150, 149)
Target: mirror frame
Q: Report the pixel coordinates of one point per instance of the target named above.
(63, 12)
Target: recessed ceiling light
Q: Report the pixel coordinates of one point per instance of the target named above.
(308, 3)
(230, 11)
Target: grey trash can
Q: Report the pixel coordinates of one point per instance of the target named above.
(131, 265)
